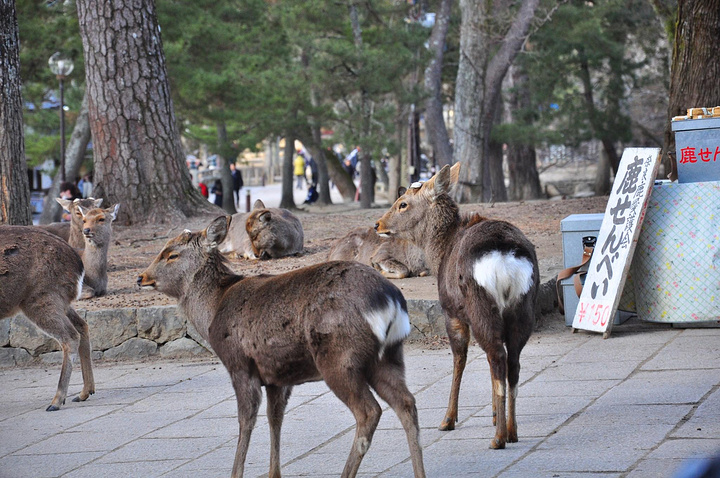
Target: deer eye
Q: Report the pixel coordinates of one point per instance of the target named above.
(173, 256)
(403, 205)
(102, 219)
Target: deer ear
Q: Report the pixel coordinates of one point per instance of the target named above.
(401, 191)
(259, 205)
(65, 203)
(443, 180)
(216, 231)
(112, 211)
(82, 210)
(265, 217)
(455, 173)
(97, 202)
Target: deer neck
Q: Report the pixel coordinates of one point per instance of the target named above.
(442, 225)
(201, 300)
(94, 258)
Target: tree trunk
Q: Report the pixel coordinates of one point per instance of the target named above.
(323, 178)
(139, 161)
(602, 175)
(224, 152)
(14, 184)
(522, 165)
(478, 86)
(343, 181)
(74, 156)
(434, 120)
(695, 75)
(287, 201)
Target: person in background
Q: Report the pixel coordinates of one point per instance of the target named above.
(203, 189)
(69, 191)
(299, 170)
(217, 190)
(237, 183)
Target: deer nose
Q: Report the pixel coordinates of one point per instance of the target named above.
(86, 231)
(377, 225)
(139, 280)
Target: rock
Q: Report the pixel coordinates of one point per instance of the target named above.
(133, 348)
(110, 328)
(27, 335)
(182, 347)
(10, 357)
(427, 318)
(547, 300)
(4, 333)
(160, 324)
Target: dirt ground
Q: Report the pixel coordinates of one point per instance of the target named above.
(134, 247)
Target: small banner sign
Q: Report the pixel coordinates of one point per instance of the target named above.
(616, 240)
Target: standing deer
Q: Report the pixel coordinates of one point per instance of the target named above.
(97, 232)
(40, 274)
(487, 282)
(340, 322)
(72, 231)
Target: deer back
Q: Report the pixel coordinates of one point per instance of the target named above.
(274, 232)
(359, 245)
(36, 266)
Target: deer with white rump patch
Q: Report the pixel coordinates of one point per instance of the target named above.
(487, 282)
(40, 275)
(340, 322)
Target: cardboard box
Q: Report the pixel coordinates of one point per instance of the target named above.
(697, 145)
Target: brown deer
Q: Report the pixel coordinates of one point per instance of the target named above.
(97, 232)
(264, 233)
(283, 330)
(72, 231)
(487, 282)
(393, 257)
(40, 275)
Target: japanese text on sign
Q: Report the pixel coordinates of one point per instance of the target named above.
(616, 240)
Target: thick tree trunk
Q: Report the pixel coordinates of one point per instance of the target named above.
(228, 202)
(287, 201)
(139, 161)
(434, 120)
(522, 166)
(14, 185)
(74, 156)
(343, 181)
(477, 89)
(695, 75)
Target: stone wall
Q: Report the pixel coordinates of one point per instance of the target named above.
(150, 331)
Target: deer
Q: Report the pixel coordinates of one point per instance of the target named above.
(488, 279)
(97, 233)
(394, 258)
(341, 322)
(40, 275)
(264, 233)
(72, 231)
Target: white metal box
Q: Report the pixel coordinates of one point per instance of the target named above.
(574, 228)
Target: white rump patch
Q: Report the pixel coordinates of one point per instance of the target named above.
(506, 277)
(390, 324)
(79, 285)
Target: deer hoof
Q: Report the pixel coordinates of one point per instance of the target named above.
(497, 444)
(52, 408)
(447, 424)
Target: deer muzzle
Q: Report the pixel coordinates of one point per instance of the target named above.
(145, 282)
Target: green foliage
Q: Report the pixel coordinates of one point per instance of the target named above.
(602, 48)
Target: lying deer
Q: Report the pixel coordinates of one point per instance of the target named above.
(487, 282)
(393, 257)
(264, 233)
(40, 275)
(97, 232)
(284, 330)
(72, 231)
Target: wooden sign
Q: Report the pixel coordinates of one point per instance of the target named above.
(616, 240)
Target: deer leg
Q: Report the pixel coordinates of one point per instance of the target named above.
(514, 347)
(388, 380)
(85, 352)
(65, 372)
(459, 335)
(277, 401)
(492, 385)
(498, 371)
(248, 396)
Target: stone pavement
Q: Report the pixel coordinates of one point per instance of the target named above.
(638, 405)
